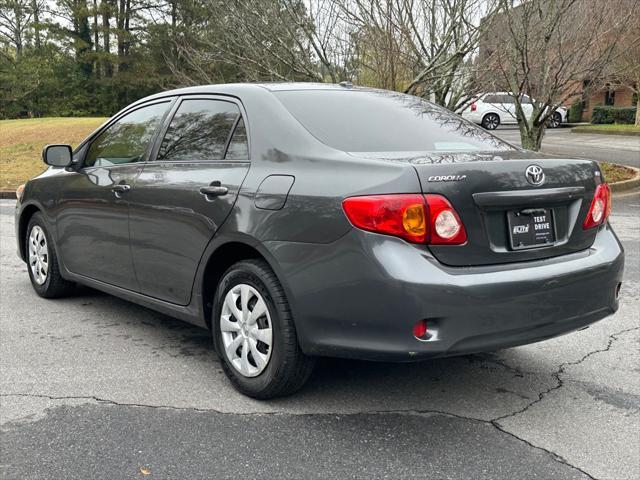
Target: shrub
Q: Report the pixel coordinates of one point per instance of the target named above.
(575, 112)
(626, 115)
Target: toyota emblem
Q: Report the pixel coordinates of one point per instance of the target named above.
(535, 175)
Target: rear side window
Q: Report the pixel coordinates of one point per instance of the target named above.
(126, 140)
(383, 121)
(239, 145)
(199, 131)
(492, 99)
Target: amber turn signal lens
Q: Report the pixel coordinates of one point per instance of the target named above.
(413, 220)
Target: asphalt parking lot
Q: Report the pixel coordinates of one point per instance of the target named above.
(95, 387)
(623, 149)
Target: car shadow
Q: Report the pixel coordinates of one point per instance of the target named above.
(486, 385)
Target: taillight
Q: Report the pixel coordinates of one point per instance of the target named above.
(600, 207)
(416, 218)
(474, 107)
(399, 215)
(445, 226)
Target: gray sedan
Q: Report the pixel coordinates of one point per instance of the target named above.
(298, 220)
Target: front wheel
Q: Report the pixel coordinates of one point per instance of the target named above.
(555, 120)
(490, 121)
(42, 262)
(254, 333)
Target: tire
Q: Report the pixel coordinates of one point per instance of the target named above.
(555, 120)
(42, 261)
(491, 121)
(286, 368)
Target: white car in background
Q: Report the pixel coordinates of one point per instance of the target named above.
(493, 109)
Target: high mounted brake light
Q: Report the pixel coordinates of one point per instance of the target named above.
(415, 217)
(600, 207)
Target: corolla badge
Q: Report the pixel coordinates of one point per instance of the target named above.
(446, 178)
(534, 175)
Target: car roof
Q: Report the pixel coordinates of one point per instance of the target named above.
(237, 89)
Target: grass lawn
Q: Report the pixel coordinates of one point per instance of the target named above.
(611, 129)
(21, 143)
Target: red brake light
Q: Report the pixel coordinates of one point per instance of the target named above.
(474, 107)
(416, 218)
(399, 215)
(600, 207)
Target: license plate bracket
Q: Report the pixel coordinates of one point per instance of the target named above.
(531, 228)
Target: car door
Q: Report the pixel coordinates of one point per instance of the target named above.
(186, 192)
(93, 219)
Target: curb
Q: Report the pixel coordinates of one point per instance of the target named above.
(627, 185)
(8, 194)
(606, 132)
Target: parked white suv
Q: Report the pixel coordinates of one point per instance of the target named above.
(498, 108)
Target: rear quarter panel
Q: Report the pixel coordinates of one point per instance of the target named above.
(323, 177)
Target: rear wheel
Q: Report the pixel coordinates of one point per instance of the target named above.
(490, 121)
(42, 262)
(254, 333)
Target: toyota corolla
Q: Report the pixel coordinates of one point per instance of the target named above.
(296, 221)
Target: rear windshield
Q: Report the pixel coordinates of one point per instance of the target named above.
(383, 121)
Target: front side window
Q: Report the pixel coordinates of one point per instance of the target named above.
(383, 121)
(126, 140)
(199, 131)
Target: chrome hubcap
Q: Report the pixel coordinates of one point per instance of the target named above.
(38, 255)
(246, 329)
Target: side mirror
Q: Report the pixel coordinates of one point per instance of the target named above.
(57, 155)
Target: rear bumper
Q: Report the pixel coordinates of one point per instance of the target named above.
(360, 297)
(474, 117)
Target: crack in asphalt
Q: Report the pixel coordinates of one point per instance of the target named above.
(554, 456)
(493, 422)
(561, 369)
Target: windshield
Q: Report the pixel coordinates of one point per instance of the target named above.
(383, 121)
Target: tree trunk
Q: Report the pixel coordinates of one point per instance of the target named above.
(18, 12)
(638, 110)
(96, 39)
(532, 138)
(120, 13)
(105, 6)
(36, 23)
(82, 33)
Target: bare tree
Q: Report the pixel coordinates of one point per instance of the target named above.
(547, 48)
(422, 47)
(268, 40)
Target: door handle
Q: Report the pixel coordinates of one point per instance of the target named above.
(215, 190)
(120, 189)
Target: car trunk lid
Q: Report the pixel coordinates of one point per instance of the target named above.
(507, 218)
